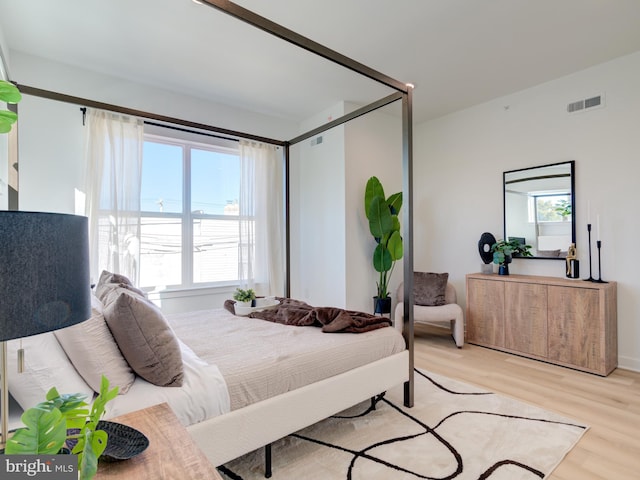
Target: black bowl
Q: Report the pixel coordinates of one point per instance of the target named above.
(123, 443)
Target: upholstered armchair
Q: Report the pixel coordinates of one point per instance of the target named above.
(433, 289)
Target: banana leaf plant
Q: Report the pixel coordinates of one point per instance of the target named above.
(384, 225)
(63, 420)
(9, 93)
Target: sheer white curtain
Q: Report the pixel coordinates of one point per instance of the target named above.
(261, 257)
(113, 152)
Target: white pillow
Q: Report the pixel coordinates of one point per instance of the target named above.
(45, 366)
(93, 351)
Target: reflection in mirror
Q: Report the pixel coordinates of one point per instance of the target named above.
(539, 208)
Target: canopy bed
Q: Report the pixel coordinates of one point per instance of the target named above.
(257, 423)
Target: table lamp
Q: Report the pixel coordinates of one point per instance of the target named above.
(44, 280)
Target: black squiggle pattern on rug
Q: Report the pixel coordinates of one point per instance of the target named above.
(229, 473)
(458, 462)
(446, 389)
(495, 467)
(371, 408)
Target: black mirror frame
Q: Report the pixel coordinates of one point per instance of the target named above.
(572, 164)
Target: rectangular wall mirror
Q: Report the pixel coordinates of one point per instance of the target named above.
(539, 208)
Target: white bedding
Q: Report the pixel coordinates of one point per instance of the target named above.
(202, 395)
(260, 359)
(231, 362)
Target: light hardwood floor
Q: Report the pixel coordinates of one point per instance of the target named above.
(610, 450)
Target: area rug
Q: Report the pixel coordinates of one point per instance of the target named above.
(454, 431)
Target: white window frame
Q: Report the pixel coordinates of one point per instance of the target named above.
(533, 206)
(188, 216)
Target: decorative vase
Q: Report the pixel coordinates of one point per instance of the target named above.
(486, 268)
(381, 305)
(504, 266)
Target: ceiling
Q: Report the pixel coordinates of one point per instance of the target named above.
(458, 53)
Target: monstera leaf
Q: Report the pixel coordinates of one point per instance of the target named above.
(91, 445)
(65, 418)
(45, 432)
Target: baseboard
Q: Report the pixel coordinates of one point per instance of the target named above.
(629, 363)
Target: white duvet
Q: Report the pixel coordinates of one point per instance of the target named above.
(202, 395)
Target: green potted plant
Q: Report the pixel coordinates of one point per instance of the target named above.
(9, 93)
(504, 251)
(244, 297)
(51, 427)
(384, 225)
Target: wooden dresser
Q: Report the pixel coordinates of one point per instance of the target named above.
(567, 322)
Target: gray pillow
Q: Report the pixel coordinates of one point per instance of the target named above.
(429, 288)
(110, 282)
(145, 338)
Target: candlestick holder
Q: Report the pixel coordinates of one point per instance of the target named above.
(599, 280)
(590, 279)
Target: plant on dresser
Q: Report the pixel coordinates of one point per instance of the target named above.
(504, 251)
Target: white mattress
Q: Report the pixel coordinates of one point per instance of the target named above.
(260, 359)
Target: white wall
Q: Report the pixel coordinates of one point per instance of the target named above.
(317, 215)
(50, 143)
(459, 160)
(373, 148)
(38, 72)
(331, 243)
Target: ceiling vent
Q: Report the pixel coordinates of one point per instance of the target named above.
(316, 141)
(586, 104)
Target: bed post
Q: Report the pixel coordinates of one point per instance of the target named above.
(287, 220)
(407, 187)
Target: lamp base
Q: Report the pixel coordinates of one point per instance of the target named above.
(4, 397)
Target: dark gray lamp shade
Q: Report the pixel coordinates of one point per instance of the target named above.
(44, 272)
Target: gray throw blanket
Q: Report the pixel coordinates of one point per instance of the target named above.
(331, 319)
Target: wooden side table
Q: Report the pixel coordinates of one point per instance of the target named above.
(171, 453)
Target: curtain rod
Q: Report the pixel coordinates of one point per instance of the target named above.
(170, 127)
(61, 97)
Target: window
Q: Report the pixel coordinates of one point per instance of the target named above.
(550, 208)
(190, 217)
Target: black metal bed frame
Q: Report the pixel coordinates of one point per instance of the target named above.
(404, 92)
